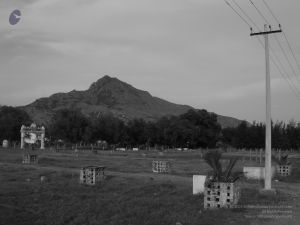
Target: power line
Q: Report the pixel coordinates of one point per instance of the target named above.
(287, 58)
(245, 21)
(291, 49)
(285, 36)
(283, 68)
(282, 49)
(290, 83)
(271, 11)
(259, 12)
(284, 73)
(274, 60)
(246, 15)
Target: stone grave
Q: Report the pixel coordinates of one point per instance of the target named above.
(160, 166)
(30, 159)
(284, 170)
(91, 175)
(5, 144)
(221, 195)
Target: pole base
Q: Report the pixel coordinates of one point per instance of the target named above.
(267, 191)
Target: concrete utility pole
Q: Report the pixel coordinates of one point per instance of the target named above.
(268, 147)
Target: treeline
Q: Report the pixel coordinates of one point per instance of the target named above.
(284, 136)
(191, 130)
(194, 129)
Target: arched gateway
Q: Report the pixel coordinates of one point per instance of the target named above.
(32, 134)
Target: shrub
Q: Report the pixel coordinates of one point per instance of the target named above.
(213, 159)
(283, 160)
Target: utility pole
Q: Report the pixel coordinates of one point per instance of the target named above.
(268, 147)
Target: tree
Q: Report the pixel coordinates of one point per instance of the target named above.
(204, 128)
(195, 128)
(107, 128)
(137, 132)
(68, 125)
(11, 120)
(253, 136)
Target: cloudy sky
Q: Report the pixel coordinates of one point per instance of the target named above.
(195, 52)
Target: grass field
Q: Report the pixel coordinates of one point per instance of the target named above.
(131, 193)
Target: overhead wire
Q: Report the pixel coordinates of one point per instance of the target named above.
(287, 59)
(245, 21)
(271, 11)
(246, 15)
(282, 49)
(284, 73)
(292, 51)
(284, 34)
(259, 12)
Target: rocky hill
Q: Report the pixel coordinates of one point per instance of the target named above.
(110, 95)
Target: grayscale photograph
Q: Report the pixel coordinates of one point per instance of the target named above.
(149, 112)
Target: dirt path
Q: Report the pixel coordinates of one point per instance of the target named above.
(292, 189)
(181, 180)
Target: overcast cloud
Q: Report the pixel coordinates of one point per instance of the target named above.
(195, 52)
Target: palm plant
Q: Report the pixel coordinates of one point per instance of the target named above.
(213, 159)
(283, 160)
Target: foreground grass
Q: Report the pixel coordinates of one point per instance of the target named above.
(61, 200)
(116, 201)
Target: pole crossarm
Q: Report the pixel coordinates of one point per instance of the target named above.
(266, 32)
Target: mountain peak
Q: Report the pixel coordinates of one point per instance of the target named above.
(112, 91)
(104, 81)
(107, 95)
(107, 78)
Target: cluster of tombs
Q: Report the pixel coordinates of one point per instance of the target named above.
(216, 194)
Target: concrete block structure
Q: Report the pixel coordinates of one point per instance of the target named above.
(30, 159)
(91, 175)
(221, 195)
(284, 170)
(160, 166)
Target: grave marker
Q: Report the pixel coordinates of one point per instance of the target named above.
(160, 166)
(5, 144)
(30, 159)
(91, 175)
